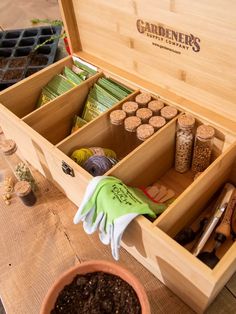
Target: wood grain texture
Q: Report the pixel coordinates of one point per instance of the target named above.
(55, 119)
(206, 76)
(59, 244)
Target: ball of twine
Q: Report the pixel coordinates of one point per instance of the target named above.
(81, 155)
(97, 165)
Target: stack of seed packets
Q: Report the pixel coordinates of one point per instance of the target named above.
(102, 96)
(63, 82)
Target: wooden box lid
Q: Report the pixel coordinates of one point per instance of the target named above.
(186, 47)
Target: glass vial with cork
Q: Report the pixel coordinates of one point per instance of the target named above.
(130, 108)
(117, 118)
(144, 132)
(144, 114)
(18, 166)
(131, 124)
(24, 192)
(157, 122)
(156, 105)
(202, 148)
(169, 112)
(143, 99)
(184, 143)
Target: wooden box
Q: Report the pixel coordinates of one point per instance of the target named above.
(180, 51)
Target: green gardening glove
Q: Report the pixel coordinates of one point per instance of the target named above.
(109, 205)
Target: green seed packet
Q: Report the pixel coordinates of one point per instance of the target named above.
(112, 89)
(81, 73)
(60, 84)
(90, 114)
(121, 86)
(77, 123)
(72, 76)
(85, 67)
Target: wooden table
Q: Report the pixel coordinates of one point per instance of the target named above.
(39, 243)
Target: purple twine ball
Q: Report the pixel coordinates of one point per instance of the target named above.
(97, 165)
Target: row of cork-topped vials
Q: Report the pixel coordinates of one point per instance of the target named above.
(138, 120)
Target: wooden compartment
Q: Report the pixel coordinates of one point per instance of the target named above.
(153, 245)
(102, 133)
(140, 43)
(54, 120)
(27, 95)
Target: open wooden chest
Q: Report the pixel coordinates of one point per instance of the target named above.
(178, 50)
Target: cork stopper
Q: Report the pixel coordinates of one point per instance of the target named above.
(130, 107)
(8, 147)
(186, 121)
(143, 99)
(117, 117)
(1, 131)
(22, 188)
(205, 132)
(156, 106)
(144, 114)
(144, 131)
(169, 112)
(157, 122)
(131, 123)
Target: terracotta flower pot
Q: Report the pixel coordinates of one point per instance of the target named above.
(95, 266)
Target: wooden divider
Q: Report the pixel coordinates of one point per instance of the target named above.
(97, 133)
(54, 119)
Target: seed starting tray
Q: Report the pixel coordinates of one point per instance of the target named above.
(17, 59)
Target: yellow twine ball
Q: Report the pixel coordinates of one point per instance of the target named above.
(82, 154)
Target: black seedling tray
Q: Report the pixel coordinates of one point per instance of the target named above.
(17, 56)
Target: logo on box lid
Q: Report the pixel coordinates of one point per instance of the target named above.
(168, 36)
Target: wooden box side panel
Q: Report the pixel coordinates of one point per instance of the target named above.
(72, 186)
(14, 128)
(178, 46)
(167, 261)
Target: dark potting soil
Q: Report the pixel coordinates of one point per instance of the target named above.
(3, 62)
(12, 75)
(18, 62)
(37, 60)
(97, 293)
(31, 71)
